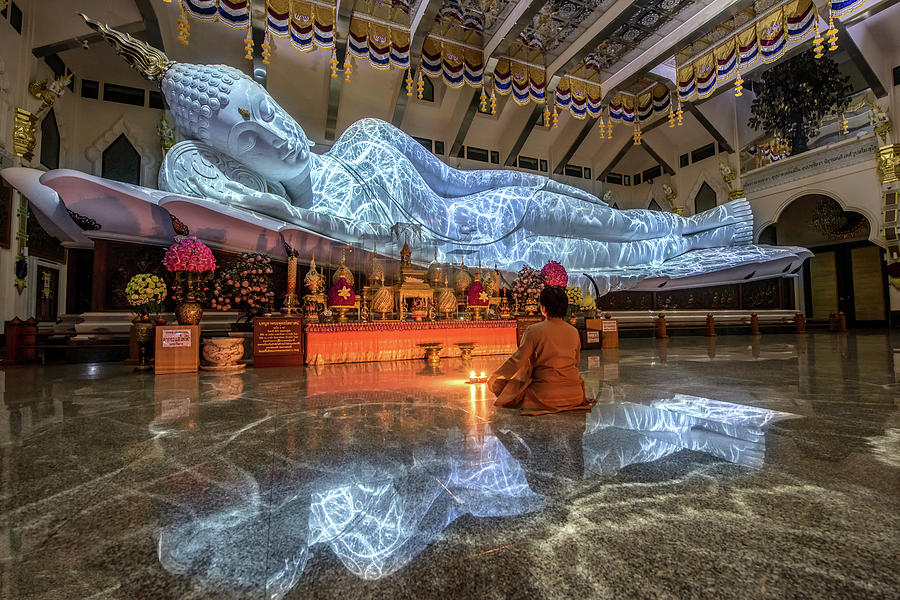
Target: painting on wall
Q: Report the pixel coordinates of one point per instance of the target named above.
(6, 214)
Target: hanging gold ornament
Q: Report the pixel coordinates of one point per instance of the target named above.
(348, 68)
(266, 49)
(679, 114)
(183, 27)
(420, 86)
(818, 45)
(546, 116)
(832, 34)
(738, 85)
(409, 83)
(483, 100)
(636, 136)
(671, 116)
(334, 63)
(555, 117)
(601, 126)
(248, 44)
(493, 103)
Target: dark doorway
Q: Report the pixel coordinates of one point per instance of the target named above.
(705, 198)
(121, 162)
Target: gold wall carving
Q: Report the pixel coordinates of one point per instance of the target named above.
(24, 129)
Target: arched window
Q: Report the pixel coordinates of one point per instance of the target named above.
(705, 198)
(654, 205)
(428, 90)
(769, 236)
(50, 141)
(121, 162)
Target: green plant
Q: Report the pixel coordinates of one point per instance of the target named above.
(795, 95)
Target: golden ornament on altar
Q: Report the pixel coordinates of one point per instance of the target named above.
(314, 281)
(383, 301)
(462, 280)
(436, 272)
(343, 272)
(405, 254)
(446, 302)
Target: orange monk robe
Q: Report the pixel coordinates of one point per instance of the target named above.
(542, 376)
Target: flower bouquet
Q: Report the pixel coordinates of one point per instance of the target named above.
(527, 288)
(192, 264)
(555, 274)
(575, 296)
(145, 294)
(246, 287)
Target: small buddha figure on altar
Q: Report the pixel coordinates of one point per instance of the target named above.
(315, 286)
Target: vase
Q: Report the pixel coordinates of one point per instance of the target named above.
(144, 335)
(188, 313)
(223, 353)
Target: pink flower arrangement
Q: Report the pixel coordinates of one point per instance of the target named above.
(477, 296)
(189, 254)
(555, 274)
(341, 294)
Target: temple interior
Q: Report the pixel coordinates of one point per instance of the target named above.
(420, 298)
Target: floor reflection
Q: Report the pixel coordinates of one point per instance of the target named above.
(394, 474)
(374, 502)
(618, 435)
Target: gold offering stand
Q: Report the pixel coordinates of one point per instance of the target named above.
(413, 285)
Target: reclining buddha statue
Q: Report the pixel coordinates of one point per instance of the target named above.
(241, 149)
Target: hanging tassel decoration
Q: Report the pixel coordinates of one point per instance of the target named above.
(248, 44)
(348, 69)
(679, 114)
(636, 136)
(845, 124)
(334, 64)
(671, 116)
(602, 127)
(483, 100)
(609, 124)
(546, 116)
(832, 34)
(420, 86)
(818, 40)
(555, 117)
(409, 83)
(266, 49)
(738, 85)
(493, 103)
(182, 26)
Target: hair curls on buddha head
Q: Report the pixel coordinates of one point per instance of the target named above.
(554, 300)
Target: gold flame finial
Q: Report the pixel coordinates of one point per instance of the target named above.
(143, 58)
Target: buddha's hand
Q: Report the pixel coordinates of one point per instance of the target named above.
(236, 194)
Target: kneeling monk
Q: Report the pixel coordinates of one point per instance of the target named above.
(542, 377)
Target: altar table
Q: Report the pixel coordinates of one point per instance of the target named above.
(328, 343)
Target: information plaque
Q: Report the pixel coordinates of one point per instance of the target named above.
(277, 342)
(177, 349)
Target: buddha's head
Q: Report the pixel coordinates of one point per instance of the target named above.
(222, 107)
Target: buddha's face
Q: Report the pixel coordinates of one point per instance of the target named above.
(232, 113)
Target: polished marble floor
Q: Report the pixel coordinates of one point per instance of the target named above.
(724, 468)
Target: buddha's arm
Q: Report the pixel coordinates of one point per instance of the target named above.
(444, 179)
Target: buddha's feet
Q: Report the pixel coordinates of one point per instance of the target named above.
(735, 234)
(730, 213)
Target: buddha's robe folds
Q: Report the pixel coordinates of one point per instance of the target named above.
(542, 377)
